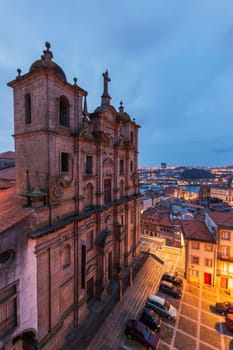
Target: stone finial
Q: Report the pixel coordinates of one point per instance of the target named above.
(85, 111)
(75, 81)
(19, 72)
(121, 108)
(48, 55)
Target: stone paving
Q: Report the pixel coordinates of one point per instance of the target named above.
(198, 326)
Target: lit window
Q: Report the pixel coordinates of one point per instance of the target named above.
(194, 273)
(225, 251)
(209, 262)
(225, 235)
(209, 247)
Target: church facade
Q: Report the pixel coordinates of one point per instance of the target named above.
(76, 177)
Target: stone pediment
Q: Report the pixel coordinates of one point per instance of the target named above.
(107, 162)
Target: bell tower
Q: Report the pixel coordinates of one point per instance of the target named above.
(47, 115)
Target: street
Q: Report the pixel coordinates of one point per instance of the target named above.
(197, 327)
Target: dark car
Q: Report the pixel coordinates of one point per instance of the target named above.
(170, 289)
(229, 321)
(138, 331)
(173, 279)
(224, 307)
(150, 319)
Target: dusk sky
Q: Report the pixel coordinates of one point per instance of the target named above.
(170, 62)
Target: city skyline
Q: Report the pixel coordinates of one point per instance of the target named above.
(170, 64)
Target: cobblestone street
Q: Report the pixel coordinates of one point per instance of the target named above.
(197, 327)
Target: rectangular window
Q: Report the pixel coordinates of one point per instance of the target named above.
(121, 167)
(209, 262)
(28, 116)
(209, 247)
(194, 273)
(89, 165)
(90, 240)
(225, 235)
(8, 310)
(225, 251)
(131, 216)
(195, 260)
(195, 245)
(64, 162)
(83, 266)
(131, 166)
(107, 190)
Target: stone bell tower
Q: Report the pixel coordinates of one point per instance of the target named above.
(47, 115)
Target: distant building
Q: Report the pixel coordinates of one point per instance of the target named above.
(73, 220)
(224, 192)
(163, 165)
(7, 159)
(158, 222)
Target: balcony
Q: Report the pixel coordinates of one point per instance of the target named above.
(224, 257)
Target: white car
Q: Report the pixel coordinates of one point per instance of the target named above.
(161, 306)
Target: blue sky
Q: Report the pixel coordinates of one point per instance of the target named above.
(170, 62)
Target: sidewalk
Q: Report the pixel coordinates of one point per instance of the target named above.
(79, 338)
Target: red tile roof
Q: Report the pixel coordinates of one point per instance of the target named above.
(195, 229)
(11, 210)
(8, 173)
(221, 218)
(157, 216)
(7, 155)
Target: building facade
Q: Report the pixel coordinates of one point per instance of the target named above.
(76, 173)
(222, 224)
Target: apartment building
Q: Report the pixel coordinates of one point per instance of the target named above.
(221, 224)
(200, 251)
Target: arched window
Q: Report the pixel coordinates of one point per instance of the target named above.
(28, 112)
(64, 111)
(66, 256)
(89, 196)
(121, 188)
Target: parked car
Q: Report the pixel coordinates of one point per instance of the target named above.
(224, 307)
(229, 321)
(170, 289)
(151, 319)
(162, 306)
(138, 331)
(178, 282)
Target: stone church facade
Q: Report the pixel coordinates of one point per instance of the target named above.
(76, 177)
